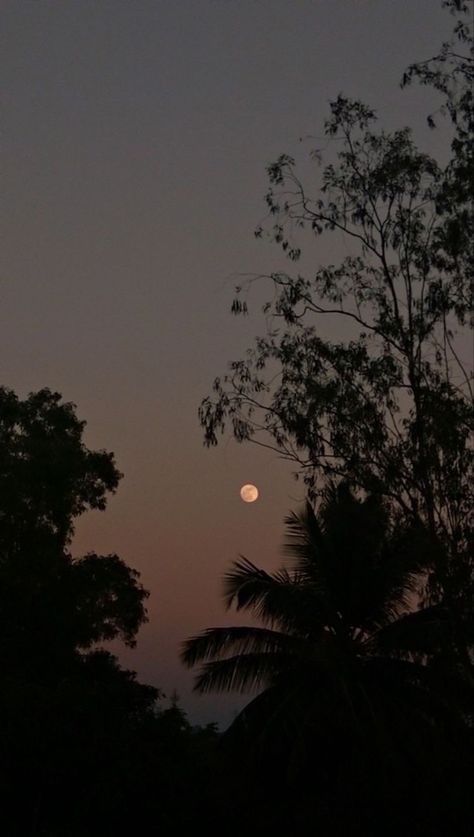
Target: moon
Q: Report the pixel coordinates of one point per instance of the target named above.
(249, 493)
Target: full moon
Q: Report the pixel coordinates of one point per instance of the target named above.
(249, 493)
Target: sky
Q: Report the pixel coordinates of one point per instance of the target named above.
(135, 136)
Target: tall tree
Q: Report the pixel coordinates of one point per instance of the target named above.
(66, 706)
(389, 408)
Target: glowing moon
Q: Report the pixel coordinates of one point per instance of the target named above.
(249, 493)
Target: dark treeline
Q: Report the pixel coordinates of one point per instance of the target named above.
(350, 731)
(361, 646)
(84, 747)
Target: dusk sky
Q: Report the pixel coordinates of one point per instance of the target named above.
(135, 135)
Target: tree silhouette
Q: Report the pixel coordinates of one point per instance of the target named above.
(357, 681)
(53, 604)
(347, 673)
(388, 408)
(85, 749)
(65, 704)
(48, 477)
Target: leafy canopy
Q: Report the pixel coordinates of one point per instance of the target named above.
(388, 407)
(52, 604)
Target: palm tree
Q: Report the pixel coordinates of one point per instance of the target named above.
(342, 661)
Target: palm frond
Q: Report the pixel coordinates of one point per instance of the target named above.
(216, 642)
(305, 538)
(279, 598)
(242, 672)
(240, 582)
(402, 563)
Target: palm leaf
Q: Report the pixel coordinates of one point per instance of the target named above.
(242, 672)
(304, 541)
(276, 598)
(217, 642)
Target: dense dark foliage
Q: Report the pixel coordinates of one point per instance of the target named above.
(84, 747)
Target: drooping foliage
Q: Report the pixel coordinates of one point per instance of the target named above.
(387, 404)
(451, 73)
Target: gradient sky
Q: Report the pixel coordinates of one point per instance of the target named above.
(135, 137)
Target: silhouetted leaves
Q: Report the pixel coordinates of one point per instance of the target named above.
(389, 406)
(356, 699)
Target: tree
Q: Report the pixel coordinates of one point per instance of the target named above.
(85, 748)
(47, 478)
(66, 706)
(389, 408)
(351, 706)
(451, 73)
(363, 380)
